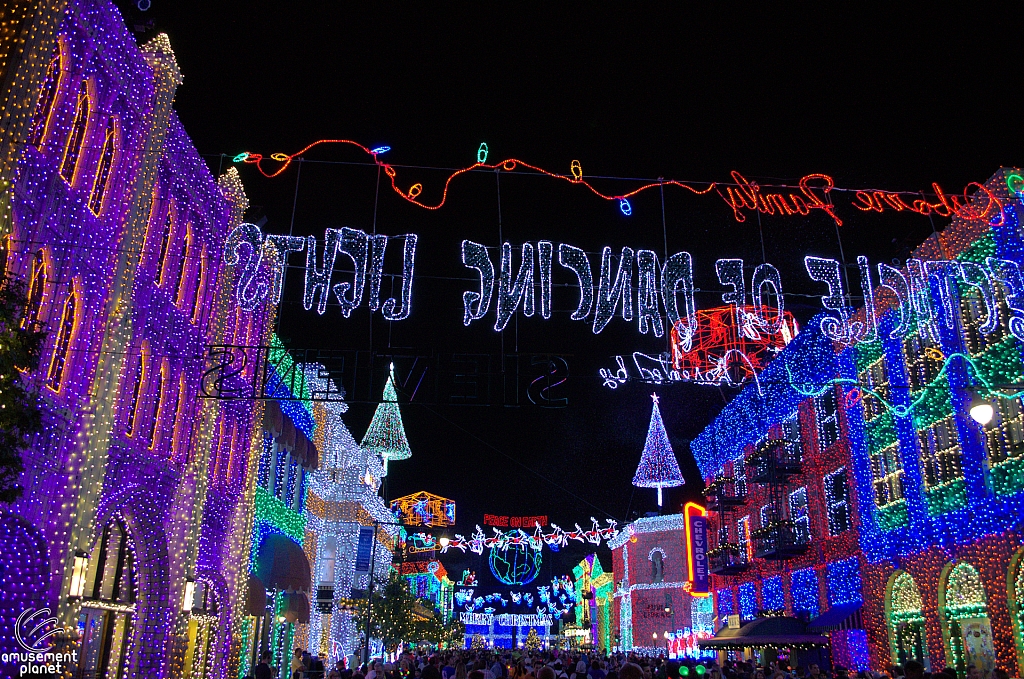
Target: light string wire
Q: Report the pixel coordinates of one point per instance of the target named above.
(577, 177)
(903, 411)
(509, 164)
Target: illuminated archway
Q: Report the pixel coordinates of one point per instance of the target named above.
(963, 612)
(905, 620)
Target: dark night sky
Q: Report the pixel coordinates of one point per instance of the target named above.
(893, 100)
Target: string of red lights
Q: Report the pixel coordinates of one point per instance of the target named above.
(741, 195)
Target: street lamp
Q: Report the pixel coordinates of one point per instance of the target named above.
(444, 541)
(981, 410)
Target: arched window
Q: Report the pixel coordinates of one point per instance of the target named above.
(108, 604)
(44, 104)
(62, 346)
(963, 612)
(76, 138)
(197, 301)
(176, 414)
(165, 246)
(154, 415)
(36, 289)
(99, 182)
(133, 404)
(186, 250)
(906, 621)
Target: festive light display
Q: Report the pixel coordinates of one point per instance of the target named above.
(740, 195)
(424, 509)
(265, 259)
(935, 492)
(385, 437)
(555, 539)
(658, 466)
(159, 495)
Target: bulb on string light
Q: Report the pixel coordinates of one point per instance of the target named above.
(380, 150)
(625, 207)
(481, 153)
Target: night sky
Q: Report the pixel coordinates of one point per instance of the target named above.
(891, 101)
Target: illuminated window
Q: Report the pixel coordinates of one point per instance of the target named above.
(108, 577)
(179, 286)
(923, 365)
(44, 104)
(99, 183)
(887, 474)
(876, 379)
(743, 539)
(974, 313)
(799, 515)
(105, 619)
(176, 414)
(906, 621)
(767, 517)
(165, 246)
(5, 249)
(36, 288)
(62, 345)
(1004, 434)
(154, 415)
(327, 561)
(133, 404)
(76, 138)
(837, 502)
(791, 437)
(940, 452)
(739, 475)
(197, 300)
(826, 411)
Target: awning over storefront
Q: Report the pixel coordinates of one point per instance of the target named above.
(257, 600)
(842, 616)
(281, 564)
(764, 633)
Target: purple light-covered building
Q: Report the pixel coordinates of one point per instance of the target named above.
(138, 493)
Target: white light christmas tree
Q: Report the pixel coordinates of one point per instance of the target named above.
(658, 466)
(386, 434)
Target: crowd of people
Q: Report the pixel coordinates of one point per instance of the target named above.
(512, 664)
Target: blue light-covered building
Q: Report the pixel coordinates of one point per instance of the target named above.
(852, 486)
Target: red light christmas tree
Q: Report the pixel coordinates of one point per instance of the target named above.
(658, 466)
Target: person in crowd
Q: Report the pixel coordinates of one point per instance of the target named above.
(263, 670)
(913, 670)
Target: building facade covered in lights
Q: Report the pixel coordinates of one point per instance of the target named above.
(137, 496)
(653, 612)
(934, 495)
(342, 510)
(594, 603)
